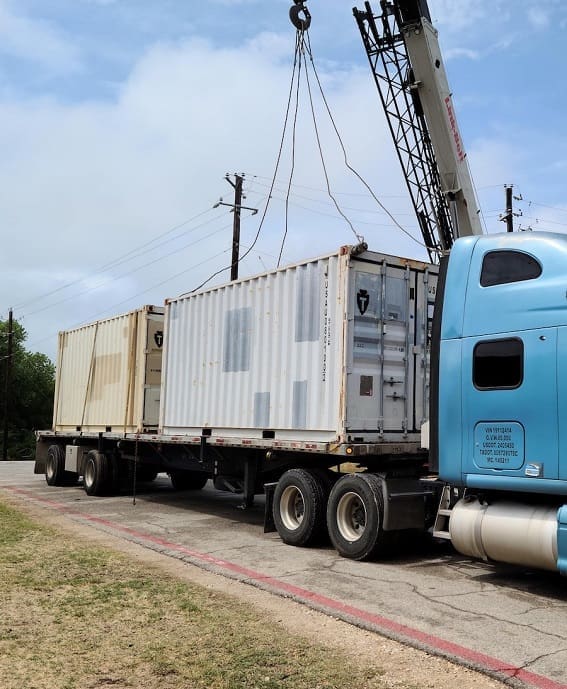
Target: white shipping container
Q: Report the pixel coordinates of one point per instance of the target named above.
(334, 349)
(108, 375)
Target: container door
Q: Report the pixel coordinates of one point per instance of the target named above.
(426, 288)
(152, 380)
(381, 370)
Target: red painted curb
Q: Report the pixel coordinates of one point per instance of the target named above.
(389, 627)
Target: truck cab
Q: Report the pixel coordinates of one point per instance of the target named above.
(502, 380)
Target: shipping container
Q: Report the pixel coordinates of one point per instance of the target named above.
(109, 374)
(334, 350)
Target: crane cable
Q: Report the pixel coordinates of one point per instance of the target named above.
(346, 161)
(299, 55)
(302, 24)
(274, 177)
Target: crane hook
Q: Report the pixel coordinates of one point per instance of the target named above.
(301, 23)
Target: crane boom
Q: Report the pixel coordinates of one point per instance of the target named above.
(403, 50)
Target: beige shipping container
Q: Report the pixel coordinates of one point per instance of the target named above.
(109, 374)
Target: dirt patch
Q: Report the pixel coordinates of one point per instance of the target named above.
(371, 660)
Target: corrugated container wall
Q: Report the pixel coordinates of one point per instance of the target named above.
(109, 374)
(334, 349)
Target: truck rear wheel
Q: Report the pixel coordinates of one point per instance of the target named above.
(299, 506)
(55, 473)
(188, 480)
(355, 515)
(97, 474)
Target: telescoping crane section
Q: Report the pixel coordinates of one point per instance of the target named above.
(406, 62)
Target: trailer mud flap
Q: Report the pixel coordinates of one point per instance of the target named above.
(269, 524)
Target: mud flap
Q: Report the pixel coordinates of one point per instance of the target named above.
(269, 524)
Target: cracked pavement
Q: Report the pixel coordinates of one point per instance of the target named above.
(512, 614)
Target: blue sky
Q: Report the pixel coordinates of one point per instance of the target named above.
(120, 118)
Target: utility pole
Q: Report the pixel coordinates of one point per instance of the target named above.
(237, 184)
(508, 216)
(7, 383)
(237, 207)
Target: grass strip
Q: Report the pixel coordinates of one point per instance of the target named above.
(77, 616)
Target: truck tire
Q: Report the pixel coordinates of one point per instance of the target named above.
(300, 500)
(97, 473)
(188, 480)
(55, 473)
(355, 514)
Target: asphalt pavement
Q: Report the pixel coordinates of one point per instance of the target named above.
(509, 622)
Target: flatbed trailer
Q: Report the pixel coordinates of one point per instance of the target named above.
(295, 506)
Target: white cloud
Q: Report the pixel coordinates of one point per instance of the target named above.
(538, 17)
(457, 15)
(36, 41)
(83, 184)
(468, 53)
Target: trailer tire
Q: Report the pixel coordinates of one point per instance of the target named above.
(188, 480)
(355, 515)
(97, 473)
(55, 473)
(300, 500)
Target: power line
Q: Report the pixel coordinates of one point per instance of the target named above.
(119, 260)
(122, 276)
(329, 203)
(331, 215)
(130, 298)
(324, 191)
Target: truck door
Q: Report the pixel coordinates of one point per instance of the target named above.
(562, 399)
(509, 367)
(509, 392)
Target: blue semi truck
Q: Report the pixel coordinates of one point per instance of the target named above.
(500, 397)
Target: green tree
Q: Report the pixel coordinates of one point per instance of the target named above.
(30, 395)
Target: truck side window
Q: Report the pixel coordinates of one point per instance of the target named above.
(498, 364)
(502, 267)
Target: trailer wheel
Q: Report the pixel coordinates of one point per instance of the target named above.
(188, 480)
(97, 474)
(55, 473)
(299, 506)
(355, 515)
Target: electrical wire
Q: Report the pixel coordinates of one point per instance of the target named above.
(329, 215)
(131, 297)
(324, 191)
(130, 272)
(116, 261)
(330, 203)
